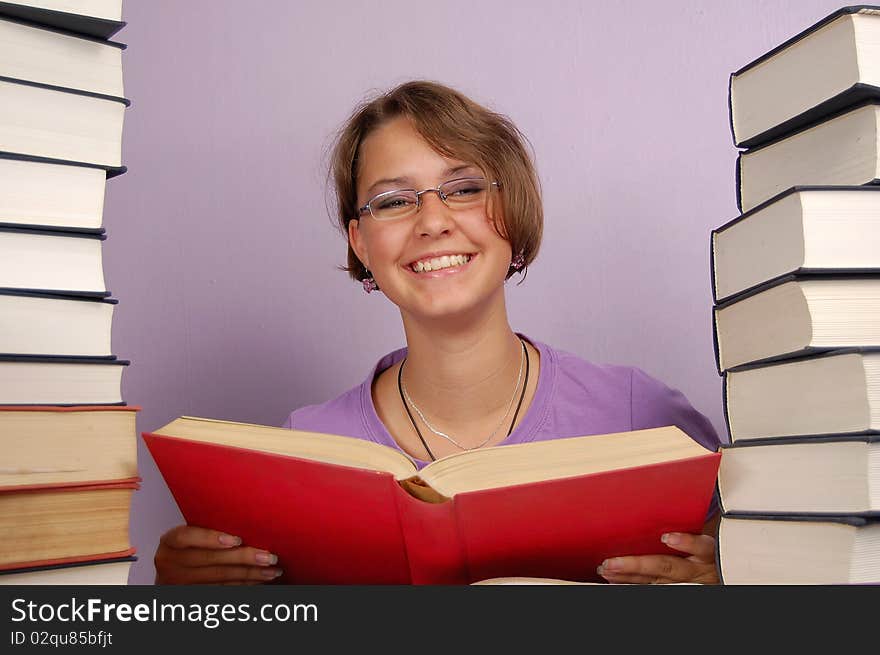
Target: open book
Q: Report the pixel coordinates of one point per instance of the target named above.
(343, 510)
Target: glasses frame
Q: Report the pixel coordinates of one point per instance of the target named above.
(437, 189)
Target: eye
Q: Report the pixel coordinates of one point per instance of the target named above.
(465, 188)
(395, 201)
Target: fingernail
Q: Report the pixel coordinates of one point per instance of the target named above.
(670, 538)
(610, 564)
(600, 570)
(229, 540)
(271, 574)
(266, 558)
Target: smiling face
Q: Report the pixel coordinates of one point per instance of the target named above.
(440, 262)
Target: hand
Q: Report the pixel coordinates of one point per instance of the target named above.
(191, 555)
(665, 569)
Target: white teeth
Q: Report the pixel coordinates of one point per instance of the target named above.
(440, 262)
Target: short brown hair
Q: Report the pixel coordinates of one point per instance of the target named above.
(455, 126)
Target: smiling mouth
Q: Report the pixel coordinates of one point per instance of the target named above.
(439, 263)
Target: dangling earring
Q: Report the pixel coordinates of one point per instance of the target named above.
(518, 262)
(369, 283)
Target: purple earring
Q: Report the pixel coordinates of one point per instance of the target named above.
(369, 283)
(518, 262)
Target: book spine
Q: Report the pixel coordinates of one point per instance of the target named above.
(434, 546)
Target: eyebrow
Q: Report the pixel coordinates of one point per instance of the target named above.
(452, 170)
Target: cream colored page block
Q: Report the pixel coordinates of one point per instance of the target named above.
(847, 312)
(42, 194)
(62, 60)
(68, 126)
(48, 384)
(43, 262)
(106, 9)
(844, 229)
(26, 328)
(760, 552)
(767, 478)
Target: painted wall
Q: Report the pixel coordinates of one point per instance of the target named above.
(222, 252)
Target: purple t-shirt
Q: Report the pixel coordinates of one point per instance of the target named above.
(573, 398)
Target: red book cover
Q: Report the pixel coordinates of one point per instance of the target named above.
(332, 524)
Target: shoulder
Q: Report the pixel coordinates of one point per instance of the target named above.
(615, 397)
(341, 415)
(350, 414)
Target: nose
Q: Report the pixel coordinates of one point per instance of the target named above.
(434, 217)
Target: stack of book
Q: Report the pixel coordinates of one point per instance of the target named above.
(68, 450)
(796, 286)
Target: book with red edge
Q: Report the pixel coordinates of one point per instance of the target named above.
(62, 524)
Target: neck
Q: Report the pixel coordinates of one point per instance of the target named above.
(460, 373)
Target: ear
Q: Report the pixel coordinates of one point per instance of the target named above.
(356, 242)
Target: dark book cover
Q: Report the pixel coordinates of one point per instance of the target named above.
(112, 171)
(100, 28)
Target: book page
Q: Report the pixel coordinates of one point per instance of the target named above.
(330, 448)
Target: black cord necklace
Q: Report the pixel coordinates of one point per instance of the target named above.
(416, 427)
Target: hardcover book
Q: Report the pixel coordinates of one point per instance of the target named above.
(43, 526)
(841, 150)
(796, 316)
(60, 59)
(340, 510)
(833, 475)
(834, 393)
(798, 550)
(52, 195)
(829, 66)
(804, 230)
(56, 446)
(45, 324)
(56, 262)
(33, 380)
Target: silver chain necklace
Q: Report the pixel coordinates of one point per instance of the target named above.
(446, 436)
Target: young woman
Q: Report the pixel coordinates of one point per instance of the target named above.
(441, 205)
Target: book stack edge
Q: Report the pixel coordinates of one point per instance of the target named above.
(796, 291)
(68, 467)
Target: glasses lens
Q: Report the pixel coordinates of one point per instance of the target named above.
(467, 192)
(394, 204)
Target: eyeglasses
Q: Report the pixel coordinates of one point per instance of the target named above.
(463, 193)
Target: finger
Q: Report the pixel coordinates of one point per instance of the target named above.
(190, 536)
(223, 575)
(244, 555)
(230, 574)
(658, 569)
(701, 546)
(636, 579)
(652, 566)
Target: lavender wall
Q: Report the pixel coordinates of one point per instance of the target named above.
(222, 253)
